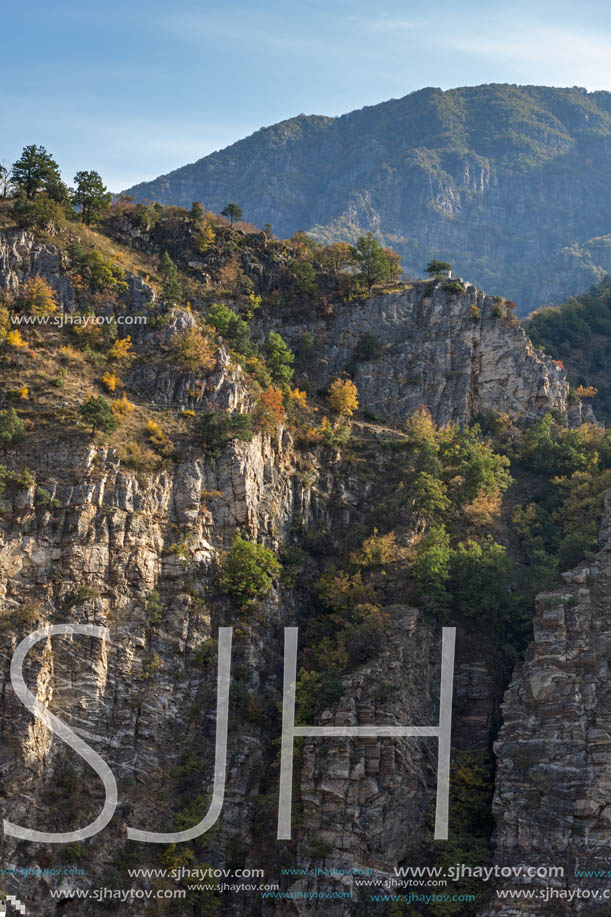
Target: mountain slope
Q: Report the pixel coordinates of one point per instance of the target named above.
(511, 183)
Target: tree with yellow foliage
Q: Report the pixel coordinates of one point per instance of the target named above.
(37, 297)
(121, 349)
(298, 398)
(158, 438)
(194, 351)
(269, 412)
(110, 381)
(122, 407)
(14, 339)
(204, 237)
(337, 256)
(586, 391)
(343, 397)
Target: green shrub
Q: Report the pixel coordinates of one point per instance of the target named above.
(279, 358)
(453, 287)
(141, 459)
(12, 429)
(553, 450)
(303, 278)
(101, 274)
(154, 607)
(45, 498)
(220, 428)
(432, 568)
(304, 351)
(230, 326)
(249, 570)
(368, 348)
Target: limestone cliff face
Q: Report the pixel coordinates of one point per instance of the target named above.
(552, 790)
(451, 352)
(22, 256)
(107, 538)
(143, 700)
(448, 351)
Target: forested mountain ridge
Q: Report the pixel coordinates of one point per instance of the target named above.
(510, 183)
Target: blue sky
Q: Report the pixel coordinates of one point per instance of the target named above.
(134, 89)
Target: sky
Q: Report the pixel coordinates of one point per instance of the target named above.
(136, 88)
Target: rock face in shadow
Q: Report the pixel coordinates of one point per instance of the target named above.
(553, 785)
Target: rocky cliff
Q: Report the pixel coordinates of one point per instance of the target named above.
(552, 789)
(87, 537)
(454, 352)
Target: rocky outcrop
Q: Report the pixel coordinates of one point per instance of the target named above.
(365, 800)
(451, 352)
(23, 256)
(553, 780)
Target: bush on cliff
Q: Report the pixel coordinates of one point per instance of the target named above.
(12, 429)
(248, 570)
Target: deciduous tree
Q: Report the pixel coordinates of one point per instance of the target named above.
(280, 359)
(194, 351)
(249, 570)
(337, 256)
(343, 397)
(37, 297)
(6, 179)
(394, 264)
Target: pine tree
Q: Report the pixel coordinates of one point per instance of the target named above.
(197, 213)
(36, 170)
(98, 413)
(91, 195)
(12, 430)
(435, 267)
(372, 263)
(169, 276)
(233, 212)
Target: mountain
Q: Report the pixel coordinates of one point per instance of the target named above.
(512, 184)
(579, 333)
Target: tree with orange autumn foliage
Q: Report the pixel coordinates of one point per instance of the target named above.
(269, 413)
